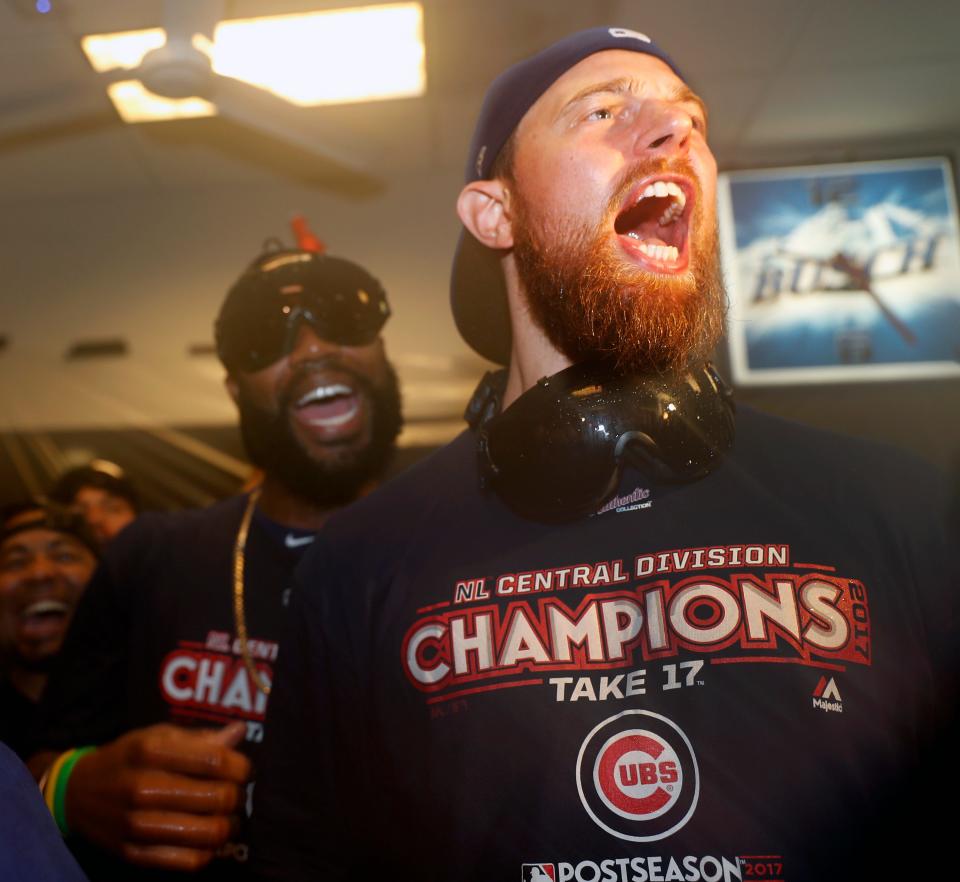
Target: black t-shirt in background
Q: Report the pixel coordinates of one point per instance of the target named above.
(18, 720)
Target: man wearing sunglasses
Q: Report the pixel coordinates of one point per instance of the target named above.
(613, 631)
(167, 669)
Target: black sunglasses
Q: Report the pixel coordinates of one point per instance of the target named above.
(261, 317)
(558, 452)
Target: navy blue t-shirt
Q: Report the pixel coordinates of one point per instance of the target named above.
(734, 679)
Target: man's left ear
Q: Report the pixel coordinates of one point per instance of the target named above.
(484, 209)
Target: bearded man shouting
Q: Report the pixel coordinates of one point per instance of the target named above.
(613, 631)
(155, 711)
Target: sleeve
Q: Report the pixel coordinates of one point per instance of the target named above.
(85, 698)
(309, 792)
(30, 842)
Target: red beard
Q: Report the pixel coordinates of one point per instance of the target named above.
(592, 302)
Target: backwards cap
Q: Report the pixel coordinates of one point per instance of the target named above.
(478, 294)
(47, 516)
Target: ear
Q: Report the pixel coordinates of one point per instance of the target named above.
(233, 390)
(484, 208)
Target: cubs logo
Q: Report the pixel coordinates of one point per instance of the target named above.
(637, 776)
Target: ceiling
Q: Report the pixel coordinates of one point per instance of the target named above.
(785, 81)
(777, 75)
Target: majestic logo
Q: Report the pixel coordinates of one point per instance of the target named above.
(637, 776)
(826, 696)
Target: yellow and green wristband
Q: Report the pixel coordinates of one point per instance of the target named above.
(55, 784)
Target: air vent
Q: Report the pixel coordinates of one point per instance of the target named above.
(112, 347)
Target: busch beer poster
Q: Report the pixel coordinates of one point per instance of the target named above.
(842, 272)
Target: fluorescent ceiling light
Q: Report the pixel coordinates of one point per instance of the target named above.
(135, 104)
(124, 49)
(333, 57)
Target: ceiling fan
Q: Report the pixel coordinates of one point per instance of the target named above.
(179, 69)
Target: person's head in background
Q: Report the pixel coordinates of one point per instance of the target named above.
(47, 555)
(101, 493)
(299, 336)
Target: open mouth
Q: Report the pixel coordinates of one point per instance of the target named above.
(44, 617)
(330, 406)
(653, 225)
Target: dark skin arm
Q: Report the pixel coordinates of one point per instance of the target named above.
(162, 796)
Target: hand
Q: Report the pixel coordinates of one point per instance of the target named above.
(162, 796)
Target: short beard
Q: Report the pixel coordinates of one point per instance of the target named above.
(593, 304)
(271, 445)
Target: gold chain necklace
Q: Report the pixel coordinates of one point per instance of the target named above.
(239, 553)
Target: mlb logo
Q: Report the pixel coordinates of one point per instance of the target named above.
(538, 872)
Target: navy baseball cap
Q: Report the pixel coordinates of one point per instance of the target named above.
(478, 294)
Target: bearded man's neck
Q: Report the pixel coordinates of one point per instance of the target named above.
(532, 355)
(282, 505)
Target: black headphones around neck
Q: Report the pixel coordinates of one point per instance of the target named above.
(558, 451)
